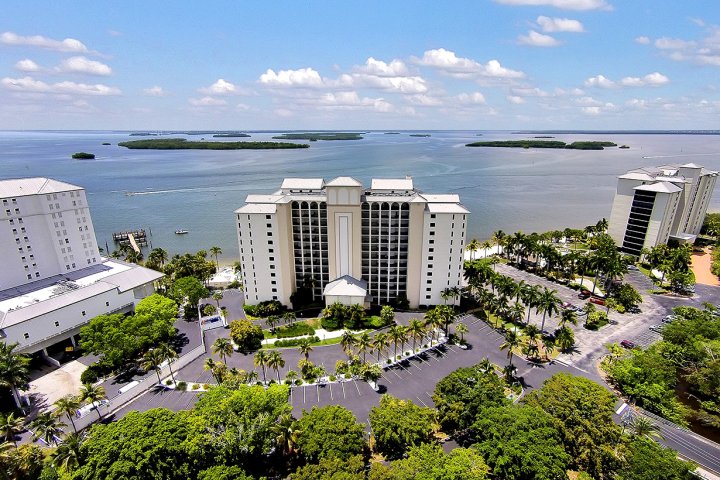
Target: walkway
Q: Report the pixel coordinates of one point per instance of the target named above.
(700, 266)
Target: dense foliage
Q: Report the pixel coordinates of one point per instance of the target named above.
(400, 424)
(83, 156)
(264, 309)
(246, 335)
(329, 432)
(183, 144)
(588, 145)
(319, 136)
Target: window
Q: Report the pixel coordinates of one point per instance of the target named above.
(432, 233)
(273, 282)
(107, 304)
(270, 242)
(432, 215)
(29, 277)
(274, 290)
(427, 297)
(26, 335)
(432, 224)
(430, 257)
(269, 225)
(269, 234)
(272, 274)
(57, 324)
(83, 313)
(431, 250)
(430, 265)
(267, 217)
(272, 259)
(431, 241)
(270, 250)
(428, 289)
(428, 282)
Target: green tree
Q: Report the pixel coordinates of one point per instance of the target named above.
(582, 411)
(188, 289)
(548, 304)
(275, 361)
(387, 314)
(10, 426)
(222, 347)
(305, 348)
(332, 468)
(67, 455)
(429, 462)
(564, 338)
(215, 251)
(646, 460)
(461, 329)
(93, 394)
(14, 371)
(520, 443)
(47, 427)
(138, 446)
(224, 472)
(627, 296)
(151, 360)
(246, 335)
(261, 360)
(462, 395)
(328, 432)
(512, 341)
(67, 406)
(399, 424)
(170, 355)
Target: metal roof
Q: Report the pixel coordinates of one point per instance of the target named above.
(20, 187)
(343, 182)
(346, 286)
(391, 184)
(302, 184)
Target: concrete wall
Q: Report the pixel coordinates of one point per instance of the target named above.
(442, 257)
(260, 253)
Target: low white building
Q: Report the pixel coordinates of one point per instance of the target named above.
(53, 279)
(397, 240)
(655, 204)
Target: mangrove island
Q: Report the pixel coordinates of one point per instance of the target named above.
(319, 136)
(83, 156)
(587, 145)
(183, 144)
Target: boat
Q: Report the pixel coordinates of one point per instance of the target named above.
(180, 232)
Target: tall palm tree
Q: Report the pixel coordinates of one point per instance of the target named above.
(215, 251)
(286, 433)
(472, 247)
(486, 245)
(548, 303)
(261, 360)
(10, 426)
(93, 394)
(252, 376)
(461, 329)
(67, 454)
(486, 366)
(347, 341)
(276, 362)
(512, 340)
(47, 427)
(364, 343)
(291, 375)
(151, 360)
(14, 370)
(568, 316)
(209, 366)
(533, 334)
(305, 348)
(416, 330)
(170, 355)
(217, 296)
(498, 238)
(381, 342)
(222, 347)
(67, 406)
(396, 334)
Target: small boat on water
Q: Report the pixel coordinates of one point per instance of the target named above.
(180, 232)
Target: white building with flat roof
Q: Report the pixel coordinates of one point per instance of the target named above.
(390, 241)
(53, 279)
(655, 204)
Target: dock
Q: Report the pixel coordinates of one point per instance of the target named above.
(134, 238)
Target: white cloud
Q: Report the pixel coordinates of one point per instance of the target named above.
(27, 65)
(642, 40)
(84, 65)
(561, 92)
(475, 98)
(424, 100)
(396, 68)
(654, 79)
(397, 84)
(155, 91)
(284, 112)
(562, 4)
(591, 110)
(703, 52)
(302, 78)
(515, 99)
(559, 24)
(241, 107)
(448, 62)
(352, 101)
(28, 84)
(666, 43)
(207, 102)
(222, 87)
(66, 45)
(528, 92)
(535, 39)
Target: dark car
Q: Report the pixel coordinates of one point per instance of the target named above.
(627, 344)
(597, 301)
(634, 309)
(583, 295)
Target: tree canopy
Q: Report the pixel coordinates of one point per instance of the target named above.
(400, 424)
(329, 432)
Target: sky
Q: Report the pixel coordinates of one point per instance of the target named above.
(250, 65)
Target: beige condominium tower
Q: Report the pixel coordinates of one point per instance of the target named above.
(351, 244)
(655, 204)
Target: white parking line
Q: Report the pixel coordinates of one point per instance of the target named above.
(342, 384)
(303, 393)
(357, 388)
(317, 387)
(331, 394)
(420, 400)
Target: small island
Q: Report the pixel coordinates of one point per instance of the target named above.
(83, 156)
(624, 147)
(230, 135)
(183, 144)
(419, 134)
(319, 136)
(586, 145)
(106, 143)
(392, 133)
(544, 136)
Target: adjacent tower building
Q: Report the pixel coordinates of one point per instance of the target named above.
(351, 244)
(655, 204)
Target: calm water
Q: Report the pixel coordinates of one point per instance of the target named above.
(508, 189)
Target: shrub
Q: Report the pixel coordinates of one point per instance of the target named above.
(374, 321)
(294, 342)
(596, 319)
(206, 386)
(181, 386)
(246, 335)
(168, 382)
(332, 378)
(575, 286)
(295, 330)
(298, 382)
(234, 284)
(264, 309)
(91, 373)
(331, 323)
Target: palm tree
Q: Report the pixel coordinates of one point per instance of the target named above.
(222, 347)
(512, 340)
(396, 334)
(364, 343)
(271, 321)
(210, 365)
(568, 316)
(170, 355)
(151, 360)
(291, 375)
(67, 406)
(472, 247)
(286, 433)
(548, 303)
(68, 453)
(276, 362)
(498, 238)
(347, 341)
(533, 334)
(215, 251)
(10, 426)
(486, 366)
(14, 372)
(261, 360)
(461, 329)
(486, 245)
(517, 311)
(446, 295)
(643, 427)
(381, 342)
(416, 330)
(252, 376)
(305, 348)
(217, 296)
(46, 427)
(564, 338)
(93, 394)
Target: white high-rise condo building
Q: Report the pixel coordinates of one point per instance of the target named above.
(53, 279)
(351, 244)
(655, 204)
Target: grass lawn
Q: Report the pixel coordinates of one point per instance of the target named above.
(321, 343)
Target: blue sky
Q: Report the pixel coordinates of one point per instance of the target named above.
(483, 64)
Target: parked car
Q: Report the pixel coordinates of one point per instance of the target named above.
(627, 344)
(633, 268)
(657, 327)
(634, 309)
(597, 301)
(583, 295)
(567, 306)
(669, 318)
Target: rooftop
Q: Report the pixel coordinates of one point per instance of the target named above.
(397, 184)
(346, 286)
(20, 187)
(343, 182)
(302, 184)
(659, 187)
